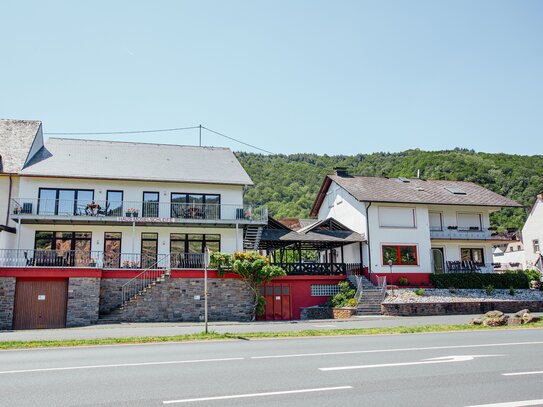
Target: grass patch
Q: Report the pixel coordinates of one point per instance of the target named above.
(255, 335)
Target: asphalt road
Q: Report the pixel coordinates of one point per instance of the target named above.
(180, 328)
(445, 369)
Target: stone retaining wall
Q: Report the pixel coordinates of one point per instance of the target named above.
(7, 299)
(174, 300)
(83, 301)
(110, 294)
(458, 308)
(316, 313)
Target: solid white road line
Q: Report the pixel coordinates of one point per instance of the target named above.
(486, 345)
(273, 393)
(443, 359)
(522, 373)
(513, 404)
(170, 362)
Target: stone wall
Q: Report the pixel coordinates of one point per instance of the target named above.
(316, 313)
(7, 299)
(174, 300)
(458, 308)
(83, 301)
(110, 294)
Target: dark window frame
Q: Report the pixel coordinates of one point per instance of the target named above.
(145, 209)
(76, 197)
(141, 248)
(186, 194)
(186, 240)
(120, 240)
(471, 249)
(107, 201)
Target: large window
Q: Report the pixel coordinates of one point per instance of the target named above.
(185, 247)
(112, 249)
(400, 255)
(62, 248)
(114, 204)
(469, 221)
(150, 204)
(149, 249)
(473, 254)
(65, 202)
(195, 206)
(436, 221)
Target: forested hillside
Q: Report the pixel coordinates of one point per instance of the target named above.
(288, 184)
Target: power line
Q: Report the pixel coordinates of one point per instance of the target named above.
(238, 141)
(159, 131)
(121, 132)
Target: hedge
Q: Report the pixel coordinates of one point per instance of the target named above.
(480, 280)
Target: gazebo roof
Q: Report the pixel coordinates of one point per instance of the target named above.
(325, 234)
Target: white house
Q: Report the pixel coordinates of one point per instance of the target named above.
(532, 235)
(71, 202)
(413, 227)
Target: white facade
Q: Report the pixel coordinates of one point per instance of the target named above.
(532, 233)
(448, 228)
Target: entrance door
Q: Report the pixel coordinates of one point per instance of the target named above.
(278, 302)
(40, 304)
(438, 260)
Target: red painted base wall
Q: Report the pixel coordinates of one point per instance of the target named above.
(414, 279)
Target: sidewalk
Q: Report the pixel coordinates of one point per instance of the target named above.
(181, 328)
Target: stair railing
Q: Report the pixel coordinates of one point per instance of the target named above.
(146, 278)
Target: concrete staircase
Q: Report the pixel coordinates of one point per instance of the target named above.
(116, 315)
(371, 296)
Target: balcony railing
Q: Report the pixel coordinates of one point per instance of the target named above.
(468, 267)
(192, 212)
(317, 269)
(457, 233)
(80, 259)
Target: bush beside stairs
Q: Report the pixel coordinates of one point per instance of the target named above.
(371, 298)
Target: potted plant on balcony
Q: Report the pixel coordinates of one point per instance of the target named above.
(92, 262)
(17, 210)
(452, 227)
(132, 213)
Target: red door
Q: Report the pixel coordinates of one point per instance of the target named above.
(277, 302)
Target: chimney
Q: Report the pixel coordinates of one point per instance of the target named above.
(418, 174)
(341, 171)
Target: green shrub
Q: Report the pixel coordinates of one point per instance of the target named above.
(420, 291)
(490, 289)
(517, 280)
(533, 275)
(403, 281)
(511, 291)
(344, 297)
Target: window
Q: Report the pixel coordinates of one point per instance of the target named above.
(112, 249)
(474, 255)
(195, 206)
(469, 221)
(65, 202)
(535, 243)
(150, 205)
(436, 222)
(455, 190)
(62, 249)
(400, 255)
(184, 248)
(396, 217)
(149, 249)
(114, 204)
(324, 290)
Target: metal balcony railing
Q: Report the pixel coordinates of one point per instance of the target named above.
(454, 232)
(25, 207)
(468, 267)
(24, 258)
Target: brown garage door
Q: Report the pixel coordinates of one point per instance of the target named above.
(40, 304)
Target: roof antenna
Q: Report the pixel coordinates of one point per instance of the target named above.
(418, 174)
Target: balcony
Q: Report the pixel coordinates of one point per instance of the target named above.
(56, 211)
(468, 267)
(458, 233)
(25, 258)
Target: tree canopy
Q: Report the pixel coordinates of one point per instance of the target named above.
(288, 184)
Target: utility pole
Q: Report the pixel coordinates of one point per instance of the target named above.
(200, 128)
(206, 263)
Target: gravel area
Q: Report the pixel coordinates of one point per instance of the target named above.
(444, 295)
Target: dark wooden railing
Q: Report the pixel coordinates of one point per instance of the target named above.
(316, 269)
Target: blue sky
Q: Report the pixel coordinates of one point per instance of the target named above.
(335, 77)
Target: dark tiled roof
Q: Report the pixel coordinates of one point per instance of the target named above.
(16, 139)
(377, 189)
